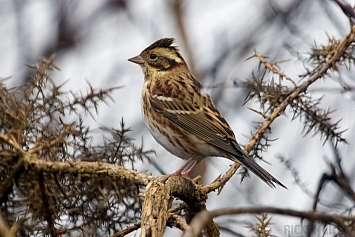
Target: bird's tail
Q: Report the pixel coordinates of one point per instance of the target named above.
(250, 163)
(260, 172)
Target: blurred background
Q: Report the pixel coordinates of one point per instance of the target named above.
(93, 40)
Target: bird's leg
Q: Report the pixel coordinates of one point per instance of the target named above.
(179, 171)
(188, 172)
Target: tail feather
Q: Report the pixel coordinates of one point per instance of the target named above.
(248, 162)
(259, 171)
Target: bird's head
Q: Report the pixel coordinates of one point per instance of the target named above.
(159, 57)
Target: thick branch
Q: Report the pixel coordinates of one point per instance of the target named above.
(158, 198)
(82, 167)
(155, 208)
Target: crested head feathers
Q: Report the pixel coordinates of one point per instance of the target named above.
(163, 43)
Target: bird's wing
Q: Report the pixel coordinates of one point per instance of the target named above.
(209, 125)
(205, 122)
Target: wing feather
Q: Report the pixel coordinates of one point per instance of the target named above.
(199, 122)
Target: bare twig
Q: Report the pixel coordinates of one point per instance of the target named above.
(198, 223)
(128, 230)
(175, 220)
(347, 9)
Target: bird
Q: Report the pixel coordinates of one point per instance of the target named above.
(181, 118)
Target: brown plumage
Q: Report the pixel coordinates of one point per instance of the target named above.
(182, 119)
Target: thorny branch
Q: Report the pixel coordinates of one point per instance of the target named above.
(318, 73)
(55, 169)
(77, 168)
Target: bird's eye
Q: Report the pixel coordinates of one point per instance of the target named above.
(153, 56)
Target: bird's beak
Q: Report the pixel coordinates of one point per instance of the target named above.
(138, 60)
